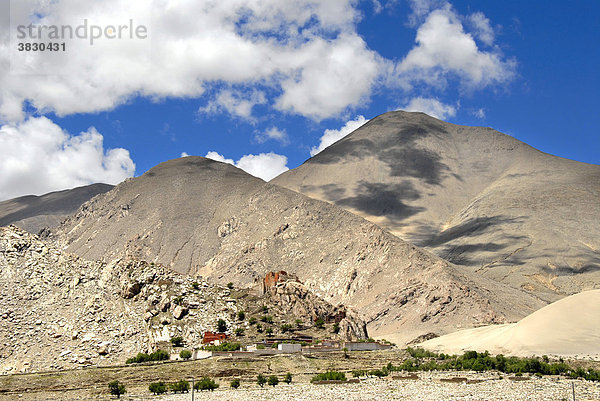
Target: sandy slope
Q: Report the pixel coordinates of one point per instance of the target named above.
(569, 327)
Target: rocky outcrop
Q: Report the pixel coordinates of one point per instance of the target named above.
(295, 298)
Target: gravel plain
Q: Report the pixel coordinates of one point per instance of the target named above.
(427, 388)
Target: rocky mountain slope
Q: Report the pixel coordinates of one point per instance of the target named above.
(211, 219)
(32, 213)
(60, 311)
(474, 196)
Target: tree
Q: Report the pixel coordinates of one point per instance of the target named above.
(288, 378)
(235, 383)
(221, 326)
(182, 386)
(116, 388)
(177, 341)
(261, 380)
(157, 388)
(319, 322)
(273, 381)
(185, 354)
(206, 383)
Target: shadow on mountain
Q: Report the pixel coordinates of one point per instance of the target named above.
(399, 151)
(377, 199)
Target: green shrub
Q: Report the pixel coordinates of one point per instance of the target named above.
(177, 341)
(319, 323)
(182, 386)
(265, 309)
(221, 326)
(239, 331)
(273, 381)
(269, 331)
(286, 327)
(359, 373)
(259, 328)
(230, 285)
(252, 320)
(336, 328)
(226, 347)
(159, 355)
(329, 375)
(299, 323)
(178, 300)
(206, 383)
(235, 383)
(241, 315)
(260, 346)
(378, 373)
(185, 354)
(261, 380)
(267, 319)
(195, 285)
(157, 388)
(116, 388)
(288, 378)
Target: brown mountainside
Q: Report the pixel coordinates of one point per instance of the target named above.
(473, 196)
(208, 218)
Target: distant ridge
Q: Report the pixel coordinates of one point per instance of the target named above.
(32, 213)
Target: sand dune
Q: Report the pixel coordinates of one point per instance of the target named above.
(569, 327)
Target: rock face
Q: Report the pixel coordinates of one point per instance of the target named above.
(296, 299)
(59, 311)
(473, 196)
(207, 218)
(33, 213)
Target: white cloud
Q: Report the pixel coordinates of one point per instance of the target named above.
(184, 154)
(480, 113)
(331, 136)
(307, 52)
(272, 133)
(444, 50)
(264, 165)
(236, 103)
(37, 156)
(431, 106)
(483, 28)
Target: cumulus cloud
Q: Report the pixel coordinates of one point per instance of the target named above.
(274, 133)
(444, 50)
(184, 154)
(307, 52)
(431, 106)
(331, 136)
(264, 165)
(236, 103)
(37, 156)
(483, 28)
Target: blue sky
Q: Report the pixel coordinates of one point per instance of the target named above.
(270, 80)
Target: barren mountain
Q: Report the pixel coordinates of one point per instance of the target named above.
(211, 219)
(59, 311)
(32, 213)
(472, 195)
